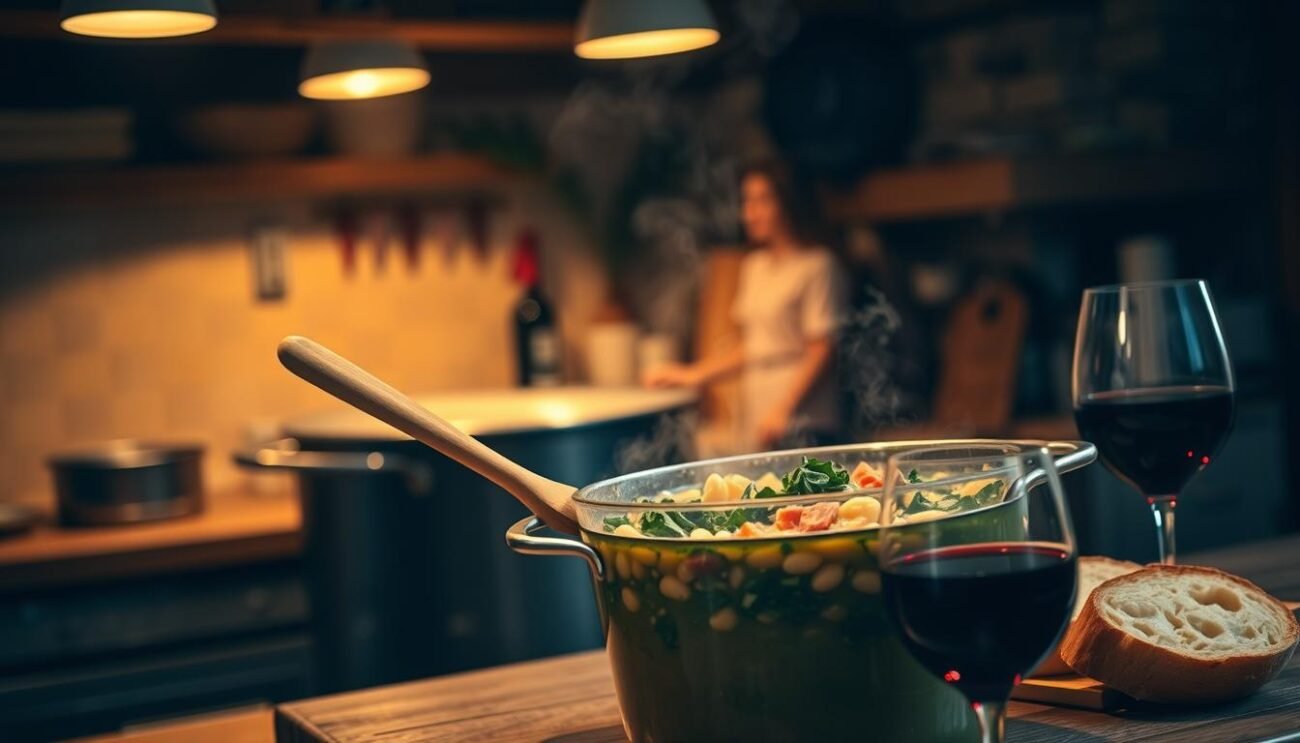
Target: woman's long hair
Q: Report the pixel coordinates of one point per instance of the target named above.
(794, 195)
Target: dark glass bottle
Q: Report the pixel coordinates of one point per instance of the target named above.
(537, 339)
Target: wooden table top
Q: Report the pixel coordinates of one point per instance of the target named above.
(571, 698)
(234, 528)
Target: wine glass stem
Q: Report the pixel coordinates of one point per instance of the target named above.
(1162, 508)
(993, 720)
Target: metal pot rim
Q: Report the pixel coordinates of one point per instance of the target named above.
(126, 454)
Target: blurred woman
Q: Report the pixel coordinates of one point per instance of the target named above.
(787, 306)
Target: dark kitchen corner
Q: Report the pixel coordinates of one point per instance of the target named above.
(650, 255)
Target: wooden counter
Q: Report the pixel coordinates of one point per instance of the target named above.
(572, 698)
(235, 528)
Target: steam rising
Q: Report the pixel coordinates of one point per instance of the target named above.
(671, 440)
(599, 133)
(868, 363)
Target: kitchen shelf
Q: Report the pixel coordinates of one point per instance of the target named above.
(1006, 184)
(255, 30)
(251, 181)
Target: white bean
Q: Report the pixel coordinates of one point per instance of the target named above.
(801, 563)
(827, 577)
(644, 555)
(630, 599)
(866, 581)
(622, 566)
(626, 530)
(736, 577)
(685, 573)
(765, 557)
(700, 533)
(674, 589)
(724, 620)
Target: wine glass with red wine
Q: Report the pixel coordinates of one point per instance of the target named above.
(977, 563)
(1153, 388)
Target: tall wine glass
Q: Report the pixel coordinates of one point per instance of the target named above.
(977, 561)
(1153, 388)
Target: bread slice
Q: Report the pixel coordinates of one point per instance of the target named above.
(1181, 634)
(1093, 571)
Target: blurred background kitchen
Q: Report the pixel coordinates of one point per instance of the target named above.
(454, 196)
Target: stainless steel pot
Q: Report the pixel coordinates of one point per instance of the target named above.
(126, 482)
(401, 582)
(719, 640)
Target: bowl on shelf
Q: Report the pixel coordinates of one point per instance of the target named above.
(248, 130)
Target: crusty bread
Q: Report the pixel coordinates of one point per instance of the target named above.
(1180, 634)
(1093, 571)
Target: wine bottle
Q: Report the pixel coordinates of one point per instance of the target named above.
(537, 339)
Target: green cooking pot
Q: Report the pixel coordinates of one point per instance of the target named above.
(775, 639)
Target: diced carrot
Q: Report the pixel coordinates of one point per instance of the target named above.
(788, 518)
(818, 517)
(864, 476)
(749, 529)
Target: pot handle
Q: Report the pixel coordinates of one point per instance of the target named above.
(522, 537)
(1076, 454)
(284, 454)
(1066, 455)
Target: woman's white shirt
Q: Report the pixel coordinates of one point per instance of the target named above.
(783, 303)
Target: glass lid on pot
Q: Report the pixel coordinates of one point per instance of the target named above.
(802, 492)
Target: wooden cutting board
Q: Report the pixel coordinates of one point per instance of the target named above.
(1080, 691)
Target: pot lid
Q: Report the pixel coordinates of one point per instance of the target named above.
(488, 412)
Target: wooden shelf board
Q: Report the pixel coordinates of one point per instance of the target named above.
(1004, 184)
(250, 30)
(244, 182)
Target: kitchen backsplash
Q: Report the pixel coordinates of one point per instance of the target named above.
(145, 326)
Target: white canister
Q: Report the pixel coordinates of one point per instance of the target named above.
(612, 354)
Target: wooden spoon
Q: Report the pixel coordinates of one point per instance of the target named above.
(550, 500)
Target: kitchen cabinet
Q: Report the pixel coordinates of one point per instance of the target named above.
(106, 627)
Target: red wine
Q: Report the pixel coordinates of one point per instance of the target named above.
(537, 339)
(1156, 439)
(978, 616)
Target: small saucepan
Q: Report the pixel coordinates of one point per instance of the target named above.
(127, 482)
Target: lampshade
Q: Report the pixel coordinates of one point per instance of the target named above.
(137, 19)
(623, 29)
(344, 70)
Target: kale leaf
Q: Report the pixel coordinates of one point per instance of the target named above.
(752, 491)
(662, 524)
(613, 522)
(815, 476)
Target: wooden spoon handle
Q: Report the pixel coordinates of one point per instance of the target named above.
(311, 361)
